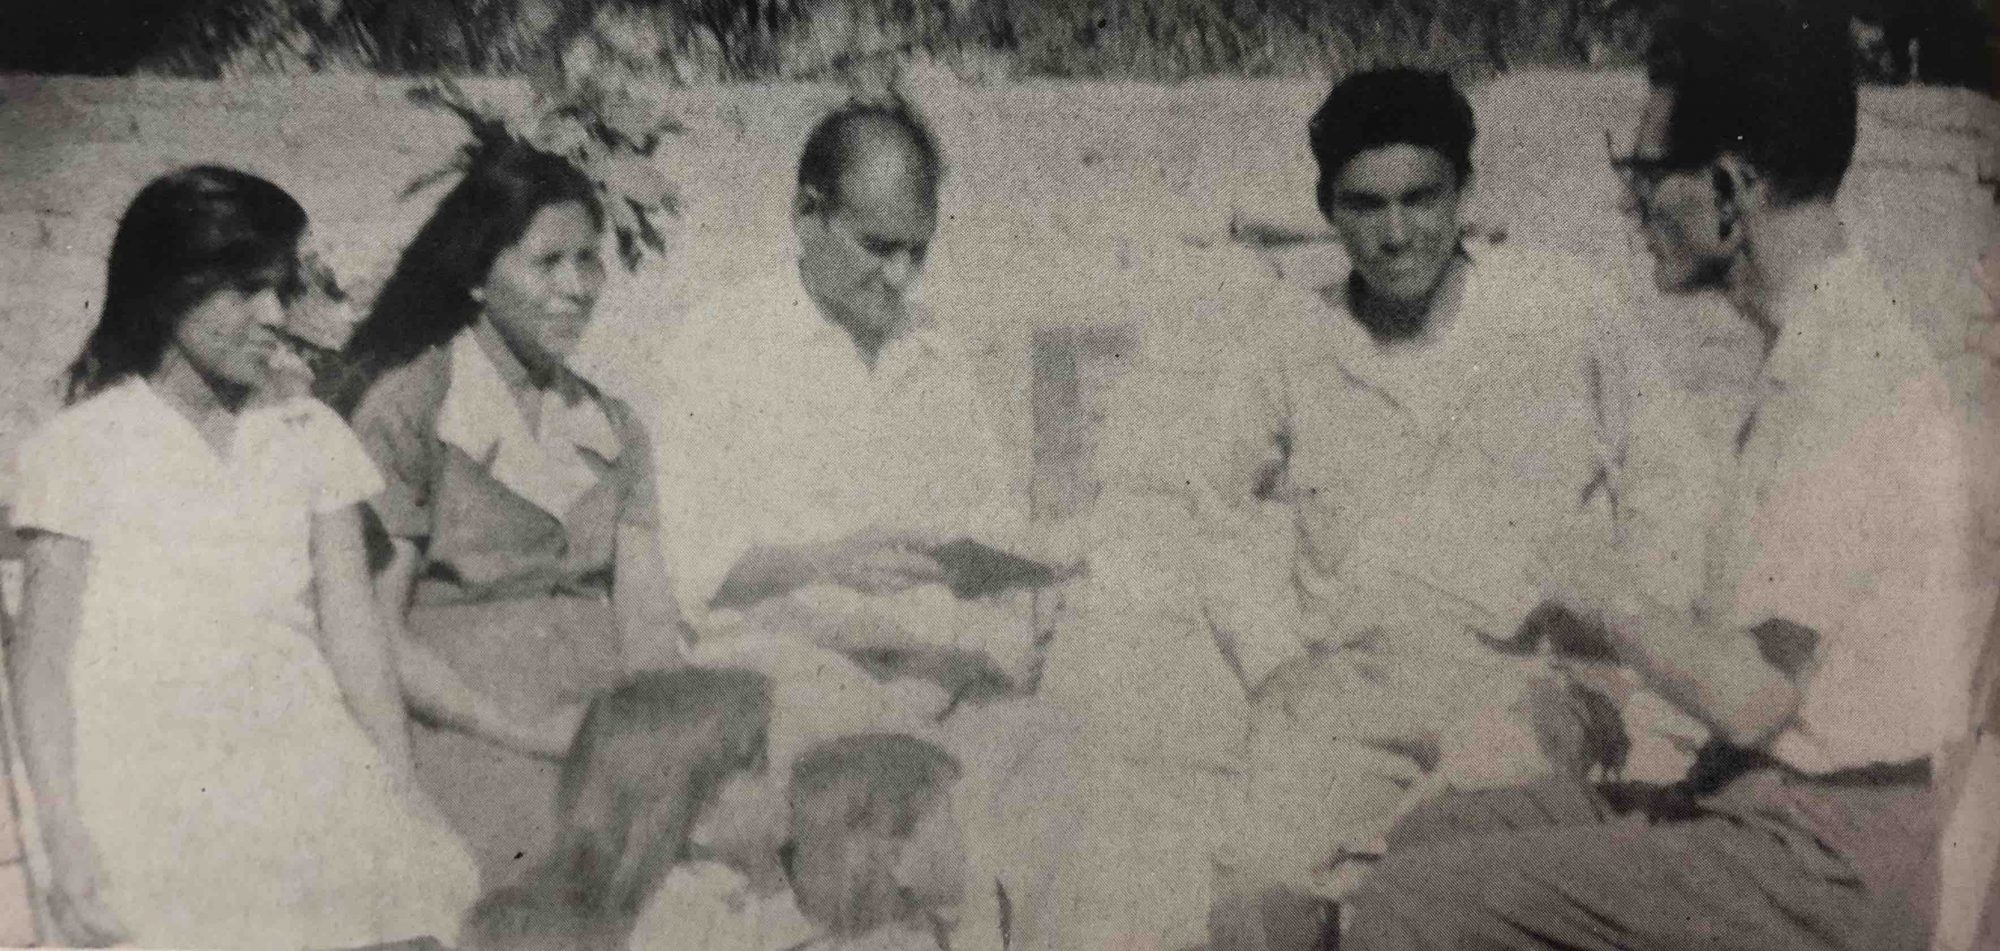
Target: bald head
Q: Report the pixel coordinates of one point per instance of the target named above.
(865, 152)
(865, 212)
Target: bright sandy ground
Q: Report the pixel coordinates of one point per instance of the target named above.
(1067, 203)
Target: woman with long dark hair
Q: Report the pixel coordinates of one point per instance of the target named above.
(649, 760)
(209, 713)
(520, 504)
(874, 862)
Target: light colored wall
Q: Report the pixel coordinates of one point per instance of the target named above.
(1067, 204)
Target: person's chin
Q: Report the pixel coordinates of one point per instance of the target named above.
(1404, 293)
(1679, 278)
(250, 374)
(1405, 285)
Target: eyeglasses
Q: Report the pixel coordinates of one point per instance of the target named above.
(1641, 174)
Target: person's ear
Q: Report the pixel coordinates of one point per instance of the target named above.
(1738, 188)
(809, 201)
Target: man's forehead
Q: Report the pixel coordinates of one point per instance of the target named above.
(1394, 168)
(897, 207)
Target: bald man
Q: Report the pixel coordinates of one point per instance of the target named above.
(824, 437)
(824, 432)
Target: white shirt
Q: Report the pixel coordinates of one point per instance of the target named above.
(1847, 510)
(1425, 481)
(774, 432)
(167, 516)
(710, 906)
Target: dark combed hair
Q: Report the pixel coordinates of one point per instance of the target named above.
(647, 760)
(1772, 81)
(1383, 107)
(831, 146)
(186, 235)
(879, 782)
(875, 784)
(428, 298)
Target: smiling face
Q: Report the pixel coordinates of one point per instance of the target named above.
(1396, 208)
(230, 335)
(541, 291)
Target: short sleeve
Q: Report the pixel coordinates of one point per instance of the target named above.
(1870, 550)
(59, 489)
(394, 427)
(347, 474)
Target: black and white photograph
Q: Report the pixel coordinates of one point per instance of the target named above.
(1000, 475)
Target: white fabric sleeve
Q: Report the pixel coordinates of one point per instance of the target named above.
(60, 488)
(346, 474)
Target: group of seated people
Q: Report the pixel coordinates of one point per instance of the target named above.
(455, 646)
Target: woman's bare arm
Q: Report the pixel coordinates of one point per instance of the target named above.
(51, 614)
(352, 635)
(652, 631)
(51, 620)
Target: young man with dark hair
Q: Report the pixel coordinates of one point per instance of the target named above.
(1427, 422)
(1826, 645)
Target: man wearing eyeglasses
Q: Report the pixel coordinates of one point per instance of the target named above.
(1427, 425)
(1826, 642)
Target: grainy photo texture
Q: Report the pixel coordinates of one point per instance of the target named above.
(1000, 475)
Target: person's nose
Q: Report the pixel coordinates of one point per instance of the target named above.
(1630, 203)
(578, 282)
(267, 309)
(899, 269)
(1396, 230)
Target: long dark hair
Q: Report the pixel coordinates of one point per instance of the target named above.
(649, 757)
(428, 298)
(186, 235)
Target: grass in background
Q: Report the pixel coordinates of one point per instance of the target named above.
(726, 40)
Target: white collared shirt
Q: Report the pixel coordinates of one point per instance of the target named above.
(1425, 480)
(773, 431)
(540, 463)
(1836, 495)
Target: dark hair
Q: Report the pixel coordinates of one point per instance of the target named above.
(1772, 81)
(648, 758)
(838, 137)
(186, 235)
(880, 783)
(1382, 107)
(428, 298)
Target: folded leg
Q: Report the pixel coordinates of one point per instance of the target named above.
(1627, 884)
